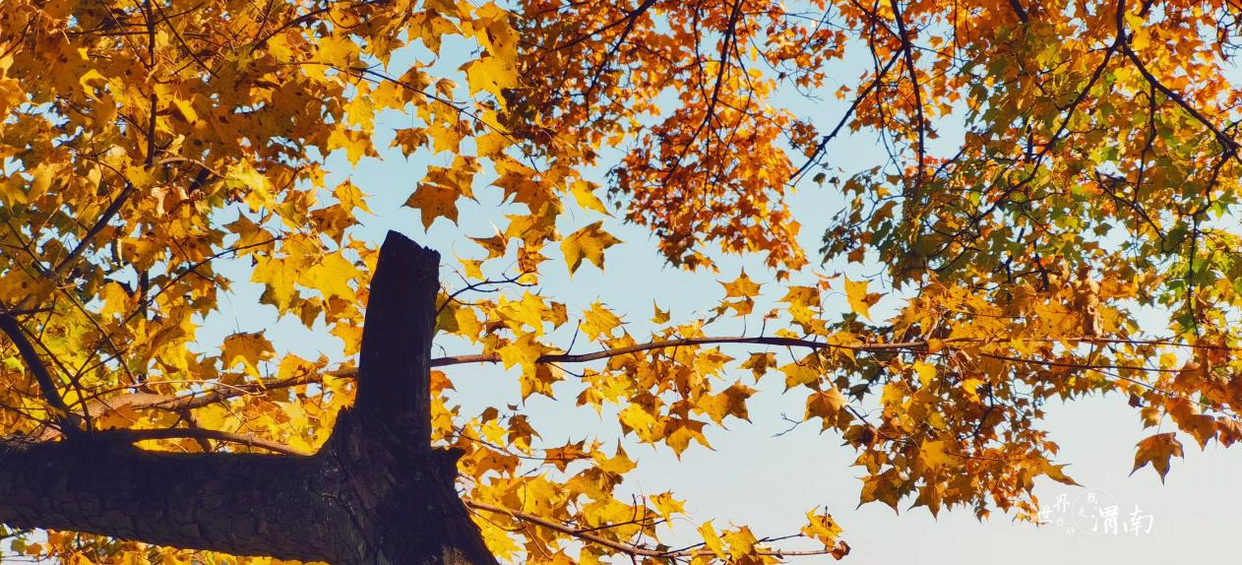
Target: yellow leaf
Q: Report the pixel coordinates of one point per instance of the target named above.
(278, 275)
(666, 505)
(583, 193)
(1157, 450)
(800, 374)
(249, 349)
(598, 321)
(731, 402)
(618, 464)
(741, 544)
(741, 287)
(331, 276)
(244, 177)
(926, 372)
(1056, 473)
(661, 316)
(856, 293)
(635, 418)
(759, 363)
(821, 527)
(825, 404)
(116, 300)
(933, 455)
(491, 74)
(491, 144)
(434, 201)
(805, 296)
(590, 243)
(350, 196)
(185, 109)
(712, 540)
(338, 51)
(971, 388)
(494, 245)
(522, 352)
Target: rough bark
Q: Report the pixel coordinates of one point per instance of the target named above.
(376, 493)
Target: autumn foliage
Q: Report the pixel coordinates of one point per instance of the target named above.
(1052, 170)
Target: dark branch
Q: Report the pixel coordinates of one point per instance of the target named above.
(375, 493)
(47, 387)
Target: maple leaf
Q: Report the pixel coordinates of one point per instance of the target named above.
(584, 194)
(248, 349)
(491, 74)
(350, 196)
(660, 316)
(666, 505)
(494, 245)
(730, 402)
(826, 405)
(741, 287)
(589, 243)
(759, 363)
(800, 373)
(279, 277)
(434, 201)
(932, 454)
(856, 294)
(712, 540)
(598, 321)
(1157, 450)
(331, 275)
(926, 372)
(822, 528)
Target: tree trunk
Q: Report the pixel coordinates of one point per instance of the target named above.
(376, 493)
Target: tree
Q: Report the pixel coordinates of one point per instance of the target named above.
(1053, 168)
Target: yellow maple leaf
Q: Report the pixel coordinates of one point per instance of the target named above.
(590, 243)
(856, 293)
(825, 404)
(731, 402)
(279, 276)
(926, 372)
(821, 527)
(741, 287)
(712, 540)
(584, 194)
(434, 201)
(338, 51)
(1157, 450)
(491, 74)
(248, 349)
(598, 321)
(666, 505)
(933, 454)
(971, 389)
(800, 374)
(331, 276)
(661, 316)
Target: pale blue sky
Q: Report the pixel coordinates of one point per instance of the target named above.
(766, 482)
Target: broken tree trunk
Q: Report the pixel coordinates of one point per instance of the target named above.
(375, 493)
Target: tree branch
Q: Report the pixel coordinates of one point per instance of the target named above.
(130, 435)
(144, 401)
(1227, 143)
(684, 342)
(908, 49)
(376, 493)
(239, 503)
(632, 550)
(47, 387)
(396, 338)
